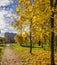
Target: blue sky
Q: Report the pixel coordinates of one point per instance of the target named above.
(7, 8)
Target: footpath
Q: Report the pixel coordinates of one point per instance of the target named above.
(9, 57)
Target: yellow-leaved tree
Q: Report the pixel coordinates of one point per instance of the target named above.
(37, 15)
(40, 17)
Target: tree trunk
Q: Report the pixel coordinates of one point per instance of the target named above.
(52, 33)
(31, 1)
(56, 40)
(21, 38)
(39, 43)
(31, 35)
(42, 44)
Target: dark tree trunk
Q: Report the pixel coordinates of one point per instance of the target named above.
(31, 35)
(31, 1)
(52, 32)
(52, 48)
(21, 38)
(56, 40)
(42, 44)
(39, 42)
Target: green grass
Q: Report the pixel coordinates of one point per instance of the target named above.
(18, 47)
(24, 47)
(27, 46)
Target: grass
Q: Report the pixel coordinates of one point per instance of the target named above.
(39, 56)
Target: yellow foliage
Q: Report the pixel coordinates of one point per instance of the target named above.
(36, 14)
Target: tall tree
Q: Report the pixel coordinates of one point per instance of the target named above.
(31, 1)
(30, 11)
(53, 6)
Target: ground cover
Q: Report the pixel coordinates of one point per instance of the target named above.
(39, 55)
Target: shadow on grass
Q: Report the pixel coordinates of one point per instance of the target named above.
(32, 46)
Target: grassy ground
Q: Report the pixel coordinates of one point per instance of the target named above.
(39, 56)
(2, 47)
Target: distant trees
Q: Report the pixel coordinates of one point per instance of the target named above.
(2, 40)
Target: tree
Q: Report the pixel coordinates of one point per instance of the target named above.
(53, 5)
(30, 10)
(37, 14)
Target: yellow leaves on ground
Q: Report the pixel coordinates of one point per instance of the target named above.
(38, 56)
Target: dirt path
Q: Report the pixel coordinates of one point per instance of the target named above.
(9, 57)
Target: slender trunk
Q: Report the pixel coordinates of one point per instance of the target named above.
(56, 41)
(39, 43)
(31, 1)
(21, 37)
(52, 33)
(52, 40)
(42, 44)
(30, 35)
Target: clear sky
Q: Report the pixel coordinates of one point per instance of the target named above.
(7, 8)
